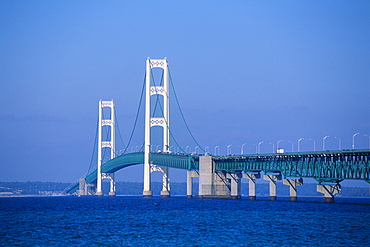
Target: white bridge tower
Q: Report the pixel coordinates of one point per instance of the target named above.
(156, 121)
(105, 144)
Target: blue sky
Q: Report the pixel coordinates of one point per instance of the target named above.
(244, 72)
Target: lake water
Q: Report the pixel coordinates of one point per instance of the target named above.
(177, 221)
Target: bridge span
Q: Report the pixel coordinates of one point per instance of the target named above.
(220, 176)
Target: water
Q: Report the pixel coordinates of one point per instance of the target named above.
(137, 221)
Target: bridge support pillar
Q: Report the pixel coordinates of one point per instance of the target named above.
(329, 190)
(252, 184)
(112, 189)
(165, 183)
(235, 182)
(272, 178)
(189, 182)
(212, 184)
(82, 187)
(293, 183)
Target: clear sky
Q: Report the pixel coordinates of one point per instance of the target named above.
(244, 72)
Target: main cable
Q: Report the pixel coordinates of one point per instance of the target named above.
(182, 115)
(93, 152)
(137, 115)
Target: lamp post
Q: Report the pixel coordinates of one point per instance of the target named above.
(299, 140)
(259, 148)
(369, 139)
(273, 147)
(353, 140)
(197, 147)
(228, 149)
(206, 150)
(217, 147)
(323, 142)
(292, 146)
(339, 143)
(186, 149)
(277, 144)
(256, 148)
(242, 148)
(314, 144)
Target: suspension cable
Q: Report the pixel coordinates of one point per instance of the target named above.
(93, 152)
(137, 115)
(119, 132)
(182, 115)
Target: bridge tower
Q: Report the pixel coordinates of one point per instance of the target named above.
(156, 121)
(111, 144)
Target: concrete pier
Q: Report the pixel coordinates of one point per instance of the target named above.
(165, 182)
(329, 191)
(147, 193)
(212, 184)
(189, 182)
(293, 183)
(252, 184)
(272, 178)
(235, 183)
(82, 187)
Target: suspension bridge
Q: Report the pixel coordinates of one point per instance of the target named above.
(219, 176)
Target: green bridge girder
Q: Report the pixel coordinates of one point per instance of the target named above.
(179, 161)
(329, 166)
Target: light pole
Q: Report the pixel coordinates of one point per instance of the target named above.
(314, 145)
(369, 139)
(299, 140)
(323, 142)
(353, 140)
(242, 148)
(196, 149)
(228, 149)
(186, 149)
(339, 143)
(217, 147)
(256, 148)
(273, 147)
(259, 148)
(292, 146)
(277, 144)
(205, 150)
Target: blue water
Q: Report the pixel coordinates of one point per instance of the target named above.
(137, 221)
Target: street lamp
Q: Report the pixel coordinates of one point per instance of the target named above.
(217, 147)
(353, 140)
(299, 140)
(256, 148)
(292, 146)
(242, 148)
(369, 139)
(314, 145)
(273, 147)
(206, 150)
(196, 149)
(323, 142)
(259, 148)
(186, 149)
(339, 142)
(228, 150)
(277, 144)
